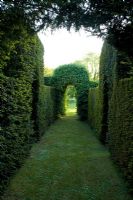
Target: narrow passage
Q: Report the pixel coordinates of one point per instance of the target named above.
(68, 163)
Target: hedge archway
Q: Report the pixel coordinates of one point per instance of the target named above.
(76, 75)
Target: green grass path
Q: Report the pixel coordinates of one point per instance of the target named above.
(68, 163)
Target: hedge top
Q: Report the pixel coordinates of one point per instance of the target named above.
(70, 74)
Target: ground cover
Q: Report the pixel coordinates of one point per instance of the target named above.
(69, 163)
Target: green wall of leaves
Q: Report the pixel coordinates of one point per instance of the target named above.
(121, 127)
(76, 75)
(26, 105)
(110, 107)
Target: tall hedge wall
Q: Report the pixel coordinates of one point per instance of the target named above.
(110, 110)
(107, 75)
(121, 126)
(99, 98)
(26, 105)
(16, 127)
(114, 66)
(47, 112)
(95, 110)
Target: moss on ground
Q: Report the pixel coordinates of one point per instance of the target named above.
(68, 163)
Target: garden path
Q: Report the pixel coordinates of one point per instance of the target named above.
(69, 163)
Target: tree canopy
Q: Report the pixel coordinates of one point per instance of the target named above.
(107, 18)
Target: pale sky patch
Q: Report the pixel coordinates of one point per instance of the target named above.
(63, 47)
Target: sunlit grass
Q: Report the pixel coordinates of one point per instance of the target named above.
(71, 108)
(68, 163)
(71, 111)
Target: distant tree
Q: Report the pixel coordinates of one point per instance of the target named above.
(92, 60)
(70, 97)
(71, 91)
(48, 71)
(91, 63)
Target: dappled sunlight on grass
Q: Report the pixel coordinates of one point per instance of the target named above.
(71, 108)
(71, 112)
(69, 163)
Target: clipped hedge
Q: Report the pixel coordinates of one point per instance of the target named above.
(16, 127)
(46, 108)
(16, 131)
(111, 107)
(121, 127)
(26, 105)
(114, 66)
(94, 110)
(16, 76)
(76, 75)
(99, 97)
(106, 80)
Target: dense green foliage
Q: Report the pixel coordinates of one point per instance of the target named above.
(46, 108)
(16, 101)
(76, 75)
(121, 127)
(21, 96)
(114, 66)
(15, 124)
(99, 98)
(107, 77)
(110, 107)
(95, 110)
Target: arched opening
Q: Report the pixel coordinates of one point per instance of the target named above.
(76, 76)
(70, 100)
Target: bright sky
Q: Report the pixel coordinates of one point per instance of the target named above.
(63, 47)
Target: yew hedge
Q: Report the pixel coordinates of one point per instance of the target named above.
(110, 110)
(121, 127)
(26, 105)
(76, 75)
